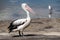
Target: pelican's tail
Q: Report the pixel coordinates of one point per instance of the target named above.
(10, 28)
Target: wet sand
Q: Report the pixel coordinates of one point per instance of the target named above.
(39, 29)
(31, 36)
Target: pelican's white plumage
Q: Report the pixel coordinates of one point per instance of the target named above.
(19, 21)
(21, 24)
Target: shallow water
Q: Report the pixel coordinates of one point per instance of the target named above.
(11, 9)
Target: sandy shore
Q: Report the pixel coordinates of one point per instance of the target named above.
(40, 28)
(30, 36)
(36, 25)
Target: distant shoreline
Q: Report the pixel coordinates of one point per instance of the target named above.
(36, 25)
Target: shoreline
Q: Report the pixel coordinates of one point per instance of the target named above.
(39, 29)
(36, 25)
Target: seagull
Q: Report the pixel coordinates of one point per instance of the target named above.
(20, 24)
(50, 11)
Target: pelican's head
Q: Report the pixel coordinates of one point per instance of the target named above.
(49, 7)
(26, 8)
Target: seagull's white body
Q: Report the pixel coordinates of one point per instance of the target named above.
(49, 15)
(49, 7)
(50, 11)
(21, 24)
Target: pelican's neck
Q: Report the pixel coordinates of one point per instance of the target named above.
(28, 16)
(27, 12)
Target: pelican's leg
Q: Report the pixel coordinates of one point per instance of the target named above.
(19, 33)
(22, 33)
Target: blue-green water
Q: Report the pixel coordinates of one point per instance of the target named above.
(11, 9)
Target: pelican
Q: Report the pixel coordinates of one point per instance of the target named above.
(50, 11)
(20, 24)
